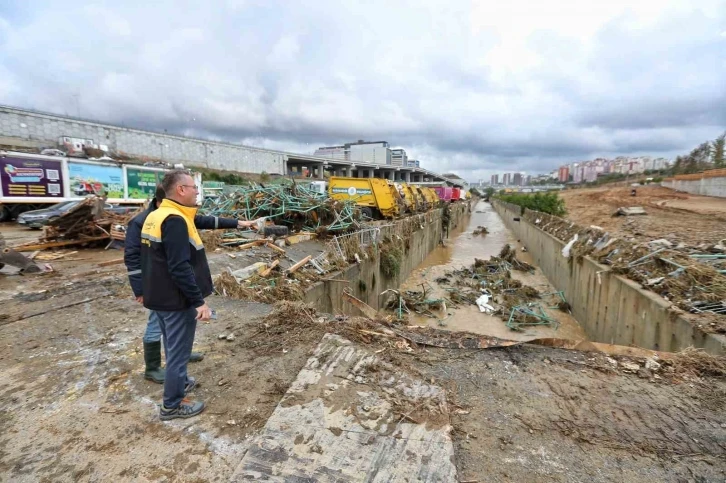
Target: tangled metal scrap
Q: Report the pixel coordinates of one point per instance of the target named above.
(296, 206)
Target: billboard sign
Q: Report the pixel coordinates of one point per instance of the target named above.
(93, 179)
(141, 183)
(31, 177)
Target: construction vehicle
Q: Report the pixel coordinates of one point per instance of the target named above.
(412, 198)
(377, 198)
(445, 193)
(432, 201)
(422, 198)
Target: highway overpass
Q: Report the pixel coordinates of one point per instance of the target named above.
(339, 167)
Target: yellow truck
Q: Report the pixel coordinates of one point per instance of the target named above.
(413, 200)
(432, 199)
(377, 197)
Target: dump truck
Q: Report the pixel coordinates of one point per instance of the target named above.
(432, 201)
(377, 198)
(444, 193)
(433, 198)
(412, 198)
(423, 197)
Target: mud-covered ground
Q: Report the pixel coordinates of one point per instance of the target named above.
(554, 415)
(75, 407)
(677, 217)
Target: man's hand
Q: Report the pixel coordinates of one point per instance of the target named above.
(204, 313)
(140, 299)
(245, 224)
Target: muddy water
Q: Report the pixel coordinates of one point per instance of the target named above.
(459, 251)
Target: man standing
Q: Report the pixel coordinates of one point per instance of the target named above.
(175, 280)
(132, 258)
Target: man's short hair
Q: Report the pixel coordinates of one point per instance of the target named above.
(172, 179)
(160, 194)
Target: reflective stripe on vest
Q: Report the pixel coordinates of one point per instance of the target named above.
(152, 226)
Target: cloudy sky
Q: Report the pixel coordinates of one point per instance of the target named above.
(474, 87)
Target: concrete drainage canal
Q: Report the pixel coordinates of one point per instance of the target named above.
(515, 300)
(461, 362)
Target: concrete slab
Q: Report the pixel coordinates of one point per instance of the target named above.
(630, 211)
(350, 418)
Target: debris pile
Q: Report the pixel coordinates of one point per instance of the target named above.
(692, 280)
(480, 230)
(417, 301)
(294, 323)
(77, 223)
(487, 284)
(87, 222)
(295, 206)
(257, 288)
(270, 282)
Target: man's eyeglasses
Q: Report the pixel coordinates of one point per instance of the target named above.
(193, 186)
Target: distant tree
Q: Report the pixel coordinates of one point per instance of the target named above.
(678, 165)
(717, 151)
(697, 159)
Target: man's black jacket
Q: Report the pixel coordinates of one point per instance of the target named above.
(132, 249)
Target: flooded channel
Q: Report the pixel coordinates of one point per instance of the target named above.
(460, 250)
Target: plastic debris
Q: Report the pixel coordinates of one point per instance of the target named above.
(568, 247)
(483, 304)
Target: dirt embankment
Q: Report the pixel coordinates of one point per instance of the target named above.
(677, 217)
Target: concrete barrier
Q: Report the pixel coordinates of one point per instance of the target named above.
(610, 308)
(366, 281)
(706, 186)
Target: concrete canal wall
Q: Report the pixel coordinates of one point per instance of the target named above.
(416, 236)
(610, 308)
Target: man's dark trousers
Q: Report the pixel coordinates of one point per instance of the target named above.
(178, 329)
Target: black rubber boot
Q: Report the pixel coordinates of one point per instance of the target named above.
(196, 357)
(152, 358)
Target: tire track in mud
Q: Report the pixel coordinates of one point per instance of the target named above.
(627, 416)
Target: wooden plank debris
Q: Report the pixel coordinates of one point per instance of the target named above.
(351, 417)
(65, 243)
(275, 247)
(55, 256)
(366, 309)
(255, 243)
(87, 222)
(115, 261)
(268, 270)
(299, 264)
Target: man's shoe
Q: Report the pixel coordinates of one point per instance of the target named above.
(190, 385)
(196, 357)
(187, 409)
(152, 359)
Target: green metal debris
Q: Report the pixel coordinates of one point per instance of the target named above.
(528, 315)
(293, 205)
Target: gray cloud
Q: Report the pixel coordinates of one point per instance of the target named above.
(421, 75)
